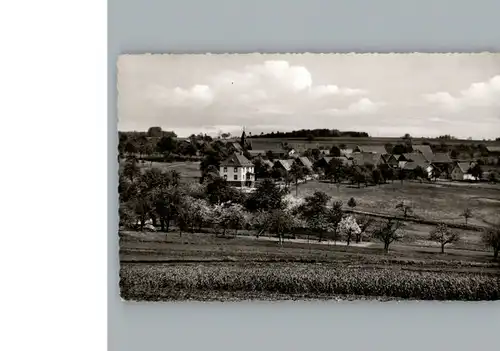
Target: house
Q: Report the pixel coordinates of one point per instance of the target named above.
(393, 160)
(442, 161)
(493, 150)
(277, 153)
(234, 147)
(345, 152)
(493, 154)
(461, 171)
(304, 162)
(285, 165)
(373, 149)
(414, 157)
(238, 171)
(325, 161)
(410, 166)
(424, 150)
(324, 152)
(364, 158)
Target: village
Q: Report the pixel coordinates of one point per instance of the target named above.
(360, 163)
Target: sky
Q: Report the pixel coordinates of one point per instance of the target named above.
(382, 94)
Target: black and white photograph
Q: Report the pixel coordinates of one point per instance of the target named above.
(309, 176)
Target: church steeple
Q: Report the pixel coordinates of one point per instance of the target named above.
(243, 139)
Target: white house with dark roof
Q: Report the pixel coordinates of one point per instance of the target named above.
(238, 171)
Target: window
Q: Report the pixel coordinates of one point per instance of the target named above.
(235, 177)
(235, 169)
(243, 176)
(225, 169)
(225, 176)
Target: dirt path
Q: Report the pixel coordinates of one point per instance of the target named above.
(305, 241)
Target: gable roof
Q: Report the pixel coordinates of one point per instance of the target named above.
(463, 166)
(256, 152)
(236, 160)
(416, 157)
(412, 165)
(376, 149)
(424, 150)
(305, 162)
(362, 158)
(345, 151)
(386, 157)
(493, 148)
(441, 157)
(284, 164)
(237, 146)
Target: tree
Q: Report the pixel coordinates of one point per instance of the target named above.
(297, 172)
(228, 216)
(387, 172)
(166, 144)
(443, 235)
(435, 173)
(476, 171)
(364, 223)
(335, 171)
(335, 215)
(388, 232)
(131, 170)
(352, 203)
(315, 213)
(349, 228)
(420, 173)
(405, 209)
(335, 151)
(491, 238)
(402, 175)
(154, 132)
(267, 196)
(280, 223)
(377, 176)
(493, 177)
(466, 213)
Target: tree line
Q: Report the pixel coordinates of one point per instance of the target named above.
(158, 200)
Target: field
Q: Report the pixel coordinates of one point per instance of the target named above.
(441, 201)
(269, 143)
(204, 267)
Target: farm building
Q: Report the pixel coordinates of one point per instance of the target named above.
(411, 166)
(413, 157)
(277, 153)
(325, 161)
(461, 171)
(345, 152)
(257, 153)
(305, 162)
(238, 171)
(425, 150)
(442, 161)
(364, 158)
(493, 150)
(286, 165)
(235, 147)
(373, 149)
(393, 160)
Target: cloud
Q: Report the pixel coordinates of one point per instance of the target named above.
(481, 94)
(272, 86)
(362, 106)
